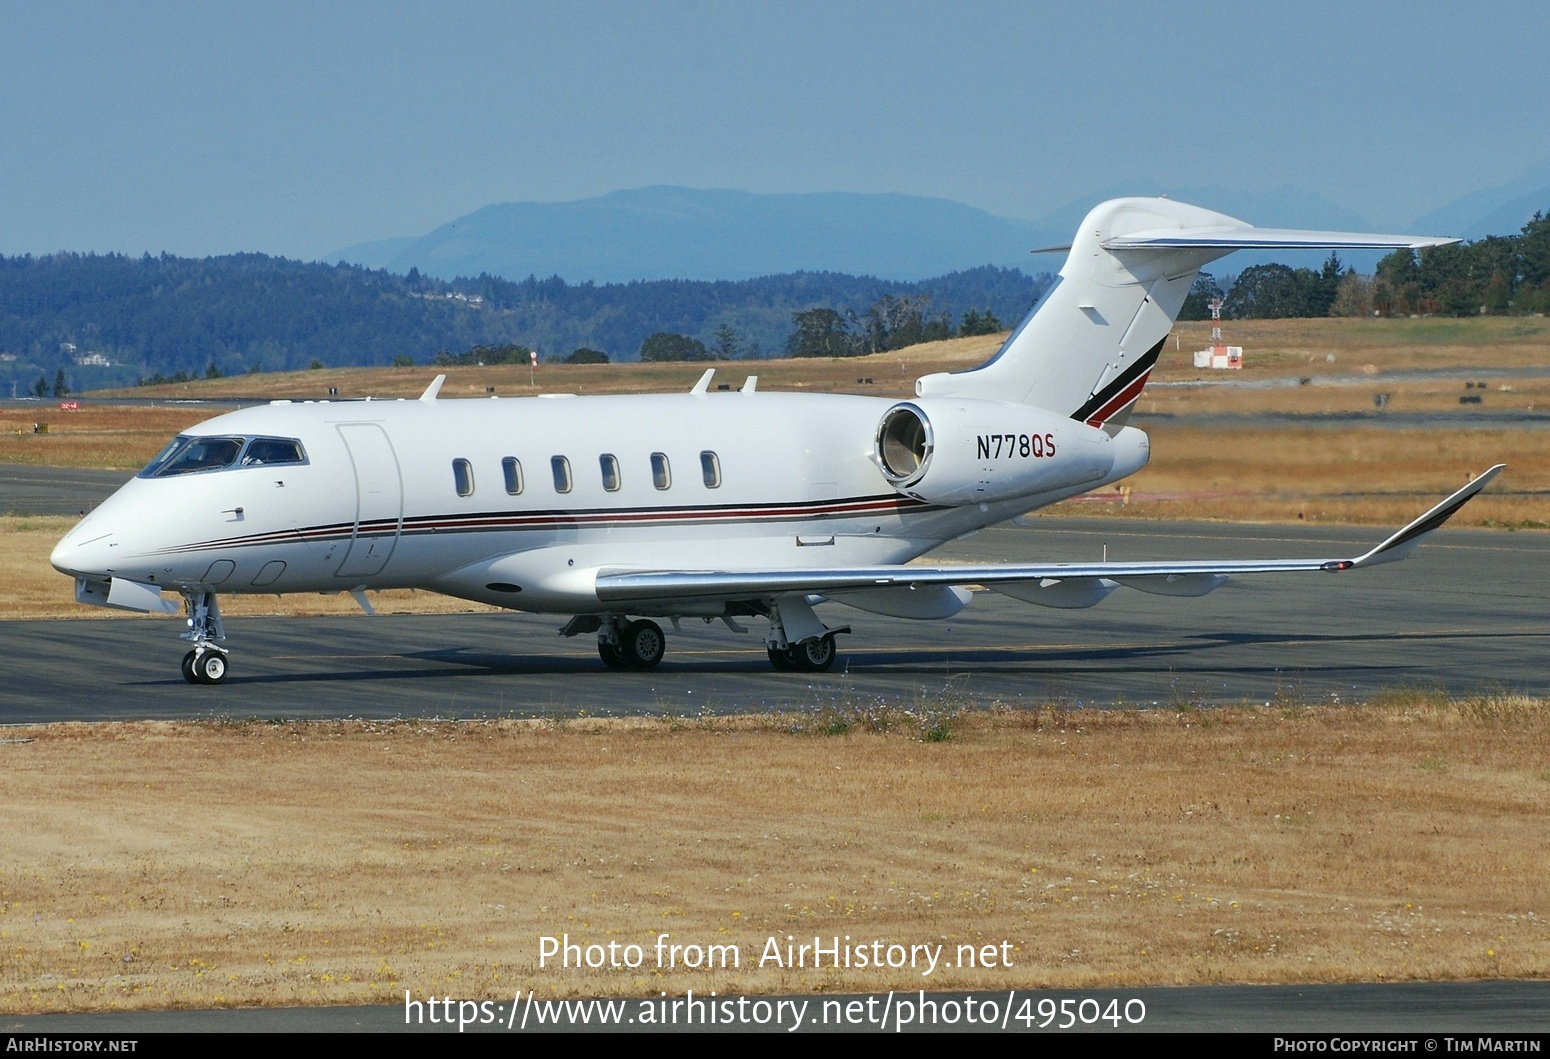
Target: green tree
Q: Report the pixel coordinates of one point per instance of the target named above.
(60, 388)
(40, 388)
(1273, 292)
(403, 360)
(937, 328)
(1197, 303)
(1396, 287)
(667, 346)
(726, 342)
(1319, 295)
(894, 322)
(1353, 297)
(586, 356)
(820, 333)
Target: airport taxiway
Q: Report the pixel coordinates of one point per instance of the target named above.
(1470, 610)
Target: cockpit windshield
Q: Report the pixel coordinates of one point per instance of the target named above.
(191, 455)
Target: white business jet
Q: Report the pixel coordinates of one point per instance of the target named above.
(716, 505)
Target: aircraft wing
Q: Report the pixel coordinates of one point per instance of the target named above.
(1085, 583)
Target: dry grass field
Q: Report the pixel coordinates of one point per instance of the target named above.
(347, 862)
(1356, 475)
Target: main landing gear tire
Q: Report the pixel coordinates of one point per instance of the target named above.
(814, 656)
(611, 655)
(205, 667)
(643, 644)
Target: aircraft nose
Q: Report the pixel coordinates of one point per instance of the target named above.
(84, 552)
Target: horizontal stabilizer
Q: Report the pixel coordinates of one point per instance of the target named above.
(1248, 238)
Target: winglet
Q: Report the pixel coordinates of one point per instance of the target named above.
(433, 389)
(750, 384)
(1402, 543)
(704, 384)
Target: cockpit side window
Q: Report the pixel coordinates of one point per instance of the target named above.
(267, 451)
(188, 455)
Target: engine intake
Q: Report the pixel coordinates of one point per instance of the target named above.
(904, 444)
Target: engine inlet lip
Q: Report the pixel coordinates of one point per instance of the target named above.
(897, 478)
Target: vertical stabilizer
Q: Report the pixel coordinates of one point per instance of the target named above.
(1088, 348)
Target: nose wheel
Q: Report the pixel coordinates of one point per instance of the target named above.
(205, 666)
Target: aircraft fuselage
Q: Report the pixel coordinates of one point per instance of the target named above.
(471, 497)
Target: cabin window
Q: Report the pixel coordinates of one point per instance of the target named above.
(610, 467)
(661, 472)
(561, 468)
(710, 468)
(513, 471)
(463, 477)
(263, 452)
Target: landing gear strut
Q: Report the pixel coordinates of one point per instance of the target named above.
(208, 662)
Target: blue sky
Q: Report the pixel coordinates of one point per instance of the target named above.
(300, 128)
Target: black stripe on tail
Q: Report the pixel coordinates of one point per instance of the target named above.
(1098, 401)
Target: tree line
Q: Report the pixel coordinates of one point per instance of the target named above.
(891, 323)
(168, 317)
(1498, 275)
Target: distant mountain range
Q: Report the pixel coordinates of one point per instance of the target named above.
(684, 233)
(1493, 211)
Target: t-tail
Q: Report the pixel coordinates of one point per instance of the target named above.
(1089, 345)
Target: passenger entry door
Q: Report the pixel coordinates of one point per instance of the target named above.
(379, 499)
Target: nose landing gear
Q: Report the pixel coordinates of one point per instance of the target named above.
(207, 663)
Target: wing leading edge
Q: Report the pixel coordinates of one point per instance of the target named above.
(1085, 583)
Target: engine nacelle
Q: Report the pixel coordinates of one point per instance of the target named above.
(962, 451)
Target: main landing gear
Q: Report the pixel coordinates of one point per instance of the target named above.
(813, 656)
(797, 642)
(634, 645)
(208, 662)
